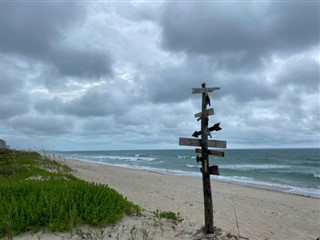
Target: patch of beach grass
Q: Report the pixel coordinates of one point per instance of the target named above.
(175, 217)
(37, 192)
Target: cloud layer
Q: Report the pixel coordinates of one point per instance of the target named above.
(82, 75)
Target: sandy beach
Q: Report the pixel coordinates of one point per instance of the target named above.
(261, 214)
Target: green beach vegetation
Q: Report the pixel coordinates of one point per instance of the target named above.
(37, 192)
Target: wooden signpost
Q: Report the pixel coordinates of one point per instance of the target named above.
(204, 143)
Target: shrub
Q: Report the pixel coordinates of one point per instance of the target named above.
(56, 200)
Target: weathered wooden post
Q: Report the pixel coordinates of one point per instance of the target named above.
(208, 211)
(205, 143)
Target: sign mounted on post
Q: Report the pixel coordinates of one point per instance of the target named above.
(197, 143)
(210, 111)
(204, 143)
(203, 90)
(211, 152)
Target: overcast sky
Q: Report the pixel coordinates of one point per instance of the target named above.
(118, 75)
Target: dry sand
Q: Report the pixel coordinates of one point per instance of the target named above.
(261, 214)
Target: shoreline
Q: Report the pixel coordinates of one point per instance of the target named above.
(251, 185)
(261, 213)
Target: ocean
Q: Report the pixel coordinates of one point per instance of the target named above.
(287, 170)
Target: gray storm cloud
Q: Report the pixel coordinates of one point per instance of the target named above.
(82, 75)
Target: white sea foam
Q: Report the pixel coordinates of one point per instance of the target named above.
(245, 167)
(186, 157)
(267, 185)
(192, 166)
(129, 158)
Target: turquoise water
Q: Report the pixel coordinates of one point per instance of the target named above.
(288, 170)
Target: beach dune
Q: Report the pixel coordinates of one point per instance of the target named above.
(252, 212)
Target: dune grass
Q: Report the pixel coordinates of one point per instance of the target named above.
(36, 192)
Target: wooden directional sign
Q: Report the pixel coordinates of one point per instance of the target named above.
(204, 90)
(210, 111)
(213, 170)
(197, 142)
(211, 152)
(189, 142)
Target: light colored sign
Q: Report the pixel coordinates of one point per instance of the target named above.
(197, 142)
(209, 112)
(204, 90)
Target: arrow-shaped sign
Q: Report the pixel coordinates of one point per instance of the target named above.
(215, 127)
(196, 134)
(197, 142)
